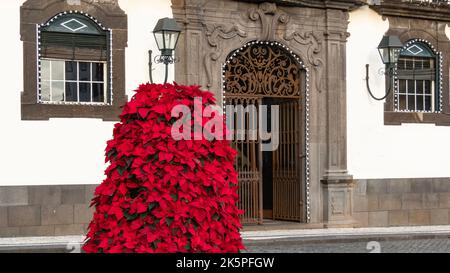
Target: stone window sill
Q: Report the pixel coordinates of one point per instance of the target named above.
(47, 111)
(399, 118)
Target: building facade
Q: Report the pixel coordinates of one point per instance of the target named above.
(344, 159)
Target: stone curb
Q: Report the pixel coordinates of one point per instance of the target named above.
(251, 238)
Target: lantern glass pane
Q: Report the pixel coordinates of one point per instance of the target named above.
(384, 53)
(159, 37)
(171, 38)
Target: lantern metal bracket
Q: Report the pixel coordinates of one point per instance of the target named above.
(390, 73)
(160, 59)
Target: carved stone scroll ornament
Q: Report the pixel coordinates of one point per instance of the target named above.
(213, 35)
(314, 48)
(270, 16)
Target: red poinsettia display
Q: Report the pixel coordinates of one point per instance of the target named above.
(162, 194)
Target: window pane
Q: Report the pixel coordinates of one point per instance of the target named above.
(98, 92)
(402, 86)
(411, 87)
(85, 71)
(427, 87)
(411, 103)
(85, 92)
(57, 91)
(71, 71)
(97, 72)
(418, 64)
(409, 64)
(419, 103)
(45, 70)
(57, 70)
(71, 91)
(427, 103)
(402, 102)
(419, 87)
(426, 63)
(401, 64)
(45, 91)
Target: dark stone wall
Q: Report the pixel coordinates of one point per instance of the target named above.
(45, 210)
(402, 202)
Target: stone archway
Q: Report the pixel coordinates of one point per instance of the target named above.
(272, 183)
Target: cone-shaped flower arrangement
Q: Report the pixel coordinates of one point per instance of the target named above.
(163, 194)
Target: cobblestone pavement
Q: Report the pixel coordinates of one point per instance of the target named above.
(392, 246)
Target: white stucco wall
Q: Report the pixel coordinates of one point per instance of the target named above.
(64, 151)
(70, 151)
(376, 150)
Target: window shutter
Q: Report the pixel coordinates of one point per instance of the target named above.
(74, 46)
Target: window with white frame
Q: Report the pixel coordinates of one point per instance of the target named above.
(418, 85)
(74, 62)
(73, 81)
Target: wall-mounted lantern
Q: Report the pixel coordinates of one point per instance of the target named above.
(389, 49)
(167, 33)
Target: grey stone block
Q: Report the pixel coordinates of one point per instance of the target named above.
(37, 231)
(74, 229)
(3, 217)
(73, 194)
(412, 201)
(361, 187)
(13, 196)
(89, 191)
(360, 203)
(398, 218)
(419, 217)
(44, 195)
(398, 186)
(422, 186)
(430, 201)
(372, 202)
(390, 201)
(9, 232)
(439, 216)
(24, 216)
(378, 219)
(362, 218)
(444, 200)
(83, 214)
(441, 185)
(377, 186)
(57, 215)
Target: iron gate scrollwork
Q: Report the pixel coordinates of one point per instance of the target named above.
(263, 70)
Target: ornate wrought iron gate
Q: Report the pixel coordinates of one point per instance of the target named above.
(257, 72)
(287, 190)
(248, 162)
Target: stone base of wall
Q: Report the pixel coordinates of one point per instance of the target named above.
(402, 202)
(45, 210)
(64, 210)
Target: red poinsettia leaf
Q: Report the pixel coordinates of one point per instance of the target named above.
(143, 112)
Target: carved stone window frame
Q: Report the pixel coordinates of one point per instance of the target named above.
(107, 13)
(438, 80)
(411, 21)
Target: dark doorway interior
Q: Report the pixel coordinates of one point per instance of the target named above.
(280, 168)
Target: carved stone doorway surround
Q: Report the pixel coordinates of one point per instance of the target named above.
(316, 31)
